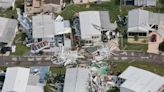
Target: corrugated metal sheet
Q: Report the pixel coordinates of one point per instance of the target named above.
(45, 26)
(7, 30)
(16, 79)
(76, 80)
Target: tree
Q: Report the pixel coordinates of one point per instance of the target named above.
(161, 1)
(20, 4)
(161, 46)
(122, 25)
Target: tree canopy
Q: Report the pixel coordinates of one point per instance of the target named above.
(161, 46)
(161, 1)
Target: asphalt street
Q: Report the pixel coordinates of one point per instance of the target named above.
(46, 60)
(140, 56)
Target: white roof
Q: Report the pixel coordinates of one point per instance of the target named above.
(32, 88)
(76, 80)
(6, 3)
(7, 29)
(45, 26)
(142, 18)
(16, 79)
(145, 2)
(137, 18)
(140, 28)
(139, 80)
(88, 18)
(62, 27)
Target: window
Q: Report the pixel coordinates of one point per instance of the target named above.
(154, 27)
(132, 33)
(95, 37)
(39, 39)
(150, 31)
(88, 41)
(139, 34)
(142, 34)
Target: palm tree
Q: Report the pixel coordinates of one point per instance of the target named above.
(53, 82)
(50, 78)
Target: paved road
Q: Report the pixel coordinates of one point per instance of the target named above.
(46, 61)
(141, 56)
(25, 61)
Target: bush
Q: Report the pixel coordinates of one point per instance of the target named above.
(161, 46)
(136, 37)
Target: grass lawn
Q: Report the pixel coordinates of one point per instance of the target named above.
(113, 7)
(122, 65)
(58, 70)
(9, 13)
(137, 47)
(130, 46)
(114, 90)
(20, 47)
